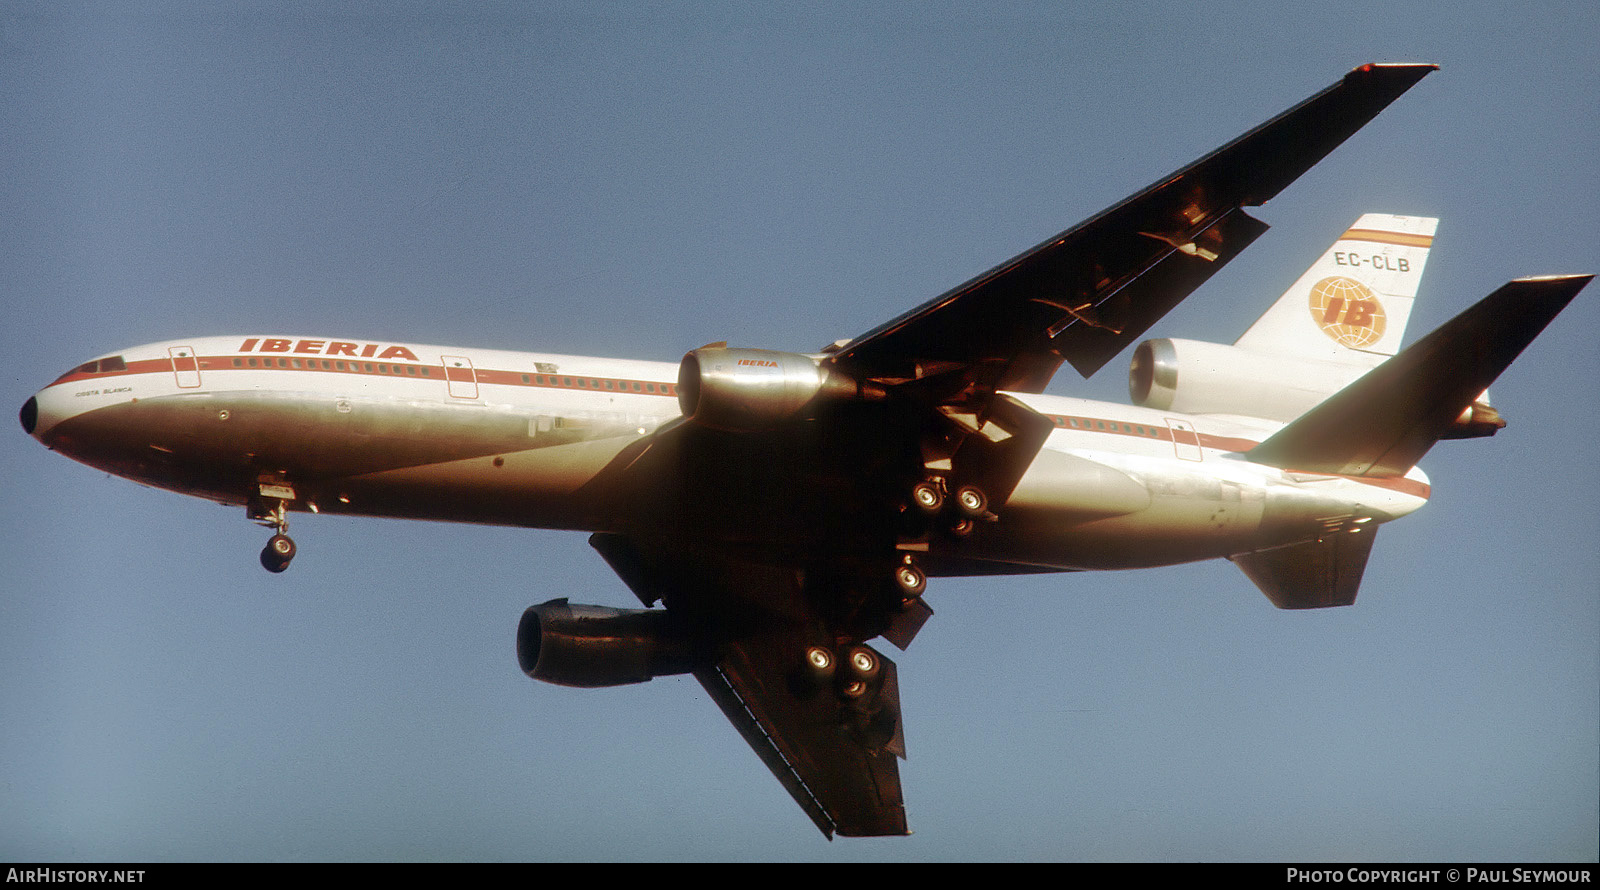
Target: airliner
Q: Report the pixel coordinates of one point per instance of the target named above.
(775, 512)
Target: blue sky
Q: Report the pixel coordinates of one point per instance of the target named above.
(636, 179)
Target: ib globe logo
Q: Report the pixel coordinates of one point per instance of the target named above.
(1347, 311)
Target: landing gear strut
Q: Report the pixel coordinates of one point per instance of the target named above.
(280, 549)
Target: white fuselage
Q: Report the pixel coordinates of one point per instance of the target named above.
(471, 435)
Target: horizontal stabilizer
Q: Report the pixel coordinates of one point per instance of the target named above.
(1383, 423)
(1313, 575)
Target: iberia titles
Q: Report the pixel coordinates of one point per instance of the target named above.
(327, 347)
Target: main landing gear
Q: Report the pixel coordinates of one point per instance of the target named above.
(855, 675)
(934, 509)
(280, 549)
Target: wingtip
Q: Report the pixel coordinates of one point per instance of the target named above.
(1404, 74)
(1582, 276)
(1420, 68)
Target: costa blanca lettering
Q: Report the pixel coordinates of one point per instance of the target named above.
(327, 347)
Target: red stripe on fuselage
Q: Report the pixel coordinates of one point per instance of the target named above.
(616, 385)
(385, 369)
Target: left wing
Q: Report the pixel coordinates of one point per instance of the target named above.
(1090, 291)
(831, 745)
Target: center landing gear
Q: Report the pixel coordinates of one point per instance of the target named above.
(280, 549)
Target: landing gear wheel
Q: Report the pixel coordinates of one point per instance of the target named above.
(863, 664)
(819, 661)
(911, 580)
(276, 555)
(928, 496)
(816, 672)
(860, 675)
(972, 502)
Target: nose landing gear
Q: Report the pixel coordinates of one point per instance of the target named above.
(276, 555)
(280, 549)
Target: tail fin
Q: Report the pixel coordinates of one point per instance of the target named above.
(1383, 423)
(1352, 305)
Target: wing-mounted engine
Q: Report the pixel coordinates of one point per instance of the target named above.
(747, 390)
(589, 646)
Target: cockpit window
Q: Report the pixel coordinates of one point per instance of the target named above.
(98, 366)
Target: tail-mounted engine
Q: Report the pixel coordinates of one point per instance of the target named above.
(1195, 377)
(588, 646)
(744, 390)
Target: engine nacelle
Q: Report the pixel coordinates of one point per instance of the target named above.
(1195, 377)
(589, 646)
(752, 389)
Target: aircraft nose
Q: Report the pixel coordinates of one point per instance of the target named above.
(41, 412)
